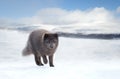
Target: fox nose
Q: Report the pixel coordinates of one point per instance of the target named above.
(51, 46)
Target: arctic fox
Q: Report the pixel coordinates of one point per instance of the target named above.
(41, 43)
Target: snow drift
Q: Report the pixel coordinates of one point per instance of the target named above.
(74, 59)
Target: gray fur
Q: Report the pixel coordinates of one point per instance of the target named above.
(41, 43)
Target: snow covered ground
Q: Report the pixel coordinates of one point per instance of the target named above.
(74, 59)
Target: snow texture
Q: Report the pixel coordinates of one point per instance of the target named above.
(74, 59)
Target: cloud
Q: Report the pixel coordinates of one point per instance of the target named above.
(118, 10)
(98, 17)
(58, 16)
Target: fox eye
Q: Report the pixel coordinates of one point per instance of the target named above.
(47, 41)
(54, 40)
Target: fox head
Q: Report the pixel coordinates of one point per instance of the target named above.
(51, 40)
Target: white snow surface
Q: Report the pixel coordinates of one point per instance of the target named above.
(74, 59)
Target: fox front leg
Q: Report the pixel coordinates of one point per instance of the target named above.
(51, 61)
(45, 59)
(38, 60)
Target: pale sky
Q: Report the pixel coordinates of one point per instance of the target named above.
(27, 8)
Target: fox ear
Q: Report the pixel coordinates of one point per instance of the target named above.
(49, 35)
(56, 35)
(46, 36)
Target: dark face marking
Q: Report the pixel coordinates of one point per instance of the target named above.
(51, 40)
